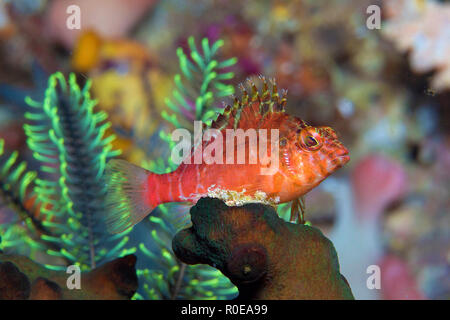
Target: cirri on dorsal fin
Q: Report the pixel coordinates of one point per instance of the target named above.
(254, 109)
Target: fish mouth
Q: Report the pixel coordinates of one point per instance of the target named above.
(343, 157)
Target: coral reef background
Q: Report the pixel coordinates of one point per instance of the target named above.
(140, 71)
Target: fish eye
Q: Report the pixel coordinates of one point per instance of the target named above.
(310, 141)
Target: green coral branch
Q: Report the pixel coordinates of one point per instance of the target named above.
(16, 185)
(67, 136)
(200, 84)
(201, 81)
(171, 279)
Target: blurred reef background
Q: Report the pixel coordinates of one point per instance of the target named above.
(72, 99)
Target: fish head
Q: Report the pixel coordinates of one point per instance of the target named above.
(314, 153)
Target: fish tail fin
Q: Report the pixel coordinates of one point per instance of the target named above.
(127, 197)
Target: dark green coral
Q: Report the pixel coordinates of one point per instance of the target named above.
(199, 86)
(68, 138)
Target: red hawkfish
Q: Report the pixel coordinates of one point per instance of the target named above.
(306, 156)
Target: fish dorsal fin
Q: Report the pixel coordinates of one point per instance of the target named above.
(254, 108)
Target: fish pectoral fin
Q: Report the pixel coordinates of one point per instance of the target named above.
(298, 209)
